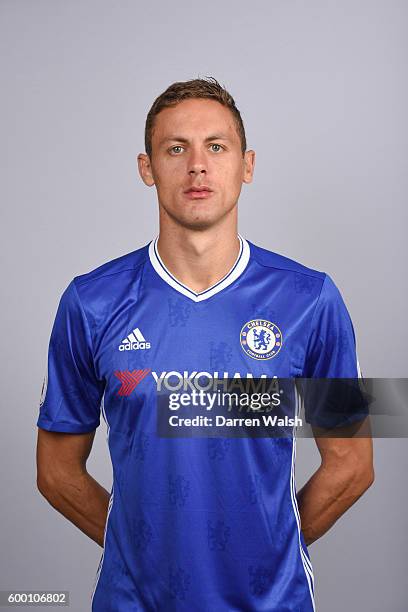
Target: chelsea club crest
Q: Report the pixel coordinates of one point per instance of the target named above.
(261, 339)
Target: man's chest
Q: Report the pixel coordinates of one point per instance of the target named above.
(167, 337)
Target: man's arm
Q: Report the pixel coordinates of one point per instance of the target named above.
(63, 480)
(345, 473)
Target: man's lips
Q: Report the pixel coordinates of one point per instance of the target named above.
(198, 192)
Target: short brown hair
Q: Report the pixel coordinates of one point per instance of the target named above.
(207, 87)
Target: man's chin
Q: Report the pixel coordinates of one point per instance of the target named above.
(198, 221)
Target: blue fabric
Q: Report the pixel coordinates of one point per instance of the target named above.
(203, 524)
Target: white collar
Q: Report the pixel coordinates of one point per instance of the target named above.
(236, 271)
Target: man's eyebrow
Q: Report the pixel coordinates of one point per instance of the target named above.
(217, 137)
(182, 139)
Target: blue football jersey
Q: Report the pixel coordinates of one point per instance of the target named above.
(206, 524)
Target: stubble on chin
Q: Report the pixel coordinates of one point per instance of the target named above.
(193, 218)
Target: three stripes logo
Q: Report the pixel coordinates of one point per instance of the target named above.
(134, 341)
(129, 380)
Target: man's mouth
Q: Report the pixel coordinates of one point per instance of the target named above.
(198, 192)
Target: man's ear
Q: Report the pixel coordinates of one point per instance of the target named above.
(145, 169)
(249, 165)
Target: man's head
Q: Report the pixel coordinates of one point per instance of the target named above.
(195, 138)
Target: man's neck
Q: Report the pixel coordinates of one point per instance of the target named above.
(198, 259)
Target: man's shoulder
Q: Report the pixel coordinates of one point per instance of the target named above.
(124, 265)
(271, 259)
(110, 281)
(314, 284)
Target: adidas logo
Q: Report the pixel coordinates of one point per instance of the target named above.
(134, 341)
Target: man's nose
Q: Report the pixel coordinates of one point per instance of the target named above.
(197, 163)
(197, 170)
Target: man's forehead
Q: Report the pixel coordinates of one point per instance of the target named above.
(204, 118)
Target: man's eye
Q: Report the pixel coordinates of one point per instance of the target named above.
(176, 149)
(216, 150)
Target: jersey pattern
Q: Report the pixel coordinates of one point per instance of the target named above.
(194, 524)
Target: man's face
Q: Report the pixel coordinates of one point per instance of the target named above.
(195, 144)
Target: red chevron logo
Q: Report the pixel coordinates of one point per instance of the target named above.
(129, 380)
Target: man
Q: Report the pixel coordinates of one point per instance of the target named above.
(195, 523)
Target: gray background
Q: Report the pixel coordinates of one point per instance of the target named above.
(322, 87)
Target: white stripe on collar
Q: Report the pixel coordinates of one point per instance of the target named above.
(236, 271)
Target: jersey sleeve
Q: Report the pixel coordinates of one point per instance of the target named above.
(334, 395)
(331, 351)
(72, 393)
